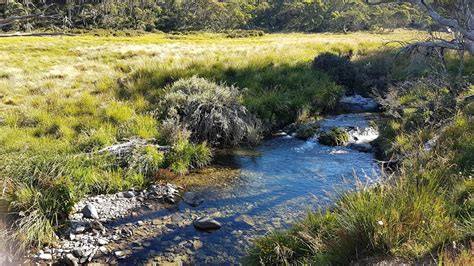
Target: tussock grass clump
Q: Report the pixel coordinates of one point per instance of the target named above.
(212, 112)
(184, 155)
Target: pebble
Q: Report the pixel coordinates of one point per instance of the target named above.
(102, 241)
(80, 229)
(103, 250)
(45, 256)
(129, 194)
(197, 244)
(78, 252)
(71, 259)
(119, 254)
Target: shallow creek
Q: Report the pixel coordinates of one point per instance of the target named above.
(279, 182)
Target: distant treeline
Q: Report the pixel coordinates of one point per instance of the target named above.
(213, 15)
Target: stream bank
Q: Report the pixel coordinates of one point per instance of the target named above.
(278, 182)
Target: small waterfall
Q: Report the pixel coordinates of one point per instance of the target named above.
(363, 135)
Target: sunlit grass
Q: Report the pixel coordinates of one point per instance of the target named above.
(64, 98)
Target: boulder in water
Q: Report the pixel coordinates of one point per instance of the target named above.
(306, 131)
(337, 136)
(206, 223)
(192, 199)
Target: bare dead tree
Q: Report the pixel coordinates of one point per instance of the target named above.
(10, 20)
(460, 22)
(43, 14)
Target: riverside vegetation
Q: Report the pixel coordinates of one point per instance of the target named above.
(425, 207)
(78, 95)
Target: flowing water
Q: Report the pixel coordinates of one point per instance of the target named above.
(279, 183)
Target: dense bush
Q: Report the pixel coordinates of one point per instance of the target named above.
(244, 33)
(363, 75)
(212, 112)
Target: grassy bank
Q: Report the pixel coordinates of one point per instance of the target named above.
(63, 99)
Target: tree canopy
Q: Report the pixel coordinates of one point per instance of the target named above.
(212, 15)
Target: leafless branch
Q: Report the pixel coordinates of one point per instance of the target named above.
(11, 20)
(466, 30)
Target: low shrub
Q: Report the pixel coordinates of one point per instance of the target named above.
(212, 112)
(335, 137)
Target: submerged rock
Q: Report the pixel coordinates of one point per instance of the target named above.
(246, 219)
(197, 244)
(357, 104)
(89, 211)
(192, 199)
(363, 147)
(206, 224)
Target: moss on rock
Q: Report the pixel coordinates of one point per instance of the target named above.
(306, 131)
(335, 137)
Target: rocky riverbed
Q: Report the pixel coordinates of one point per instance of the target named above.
(89, 232)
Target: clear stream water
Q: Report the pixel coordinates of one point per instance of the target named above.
(276, 188)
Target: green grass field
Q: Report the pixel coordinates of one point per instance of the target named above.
(50, 87)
